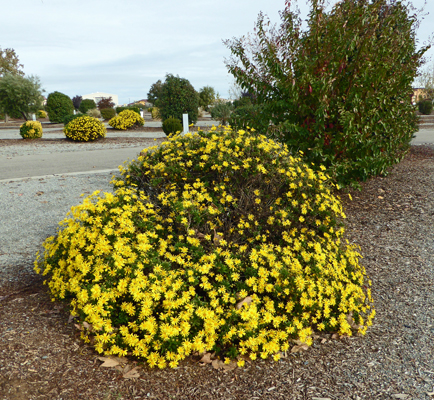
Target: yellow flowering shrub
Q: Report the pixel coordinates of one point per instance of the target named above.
(219, 242)
(42, 114)
(84, 129)
(126, 119)
(31, 130)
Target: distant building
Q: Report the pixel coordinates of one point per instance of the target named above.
(96, 97)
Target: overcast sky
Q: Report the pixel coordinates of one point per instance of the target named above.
(123, 46)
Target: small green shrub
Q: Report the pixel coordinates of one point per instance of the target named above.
(425, 107)
(94, 112)
(86, 105)
(225, 244)
(31, 130)
(126, 119)
(108, 113)
(120, 109)
(172, 125)
(221, 111)
(59, 105)
(71, 117)
(42, 114)
(84, 129)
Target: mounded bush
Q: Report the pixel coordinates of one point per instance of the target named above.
(94, 112)
(126, 119)
(155, 113)
(84, 129)
(59, 105)
(248, 116)
(172, 125)
(108, 113)
(71, 117)
(425, 107)
(86, 105)
(31, 130)
(42, 114)
(225, 244)
(120, 109)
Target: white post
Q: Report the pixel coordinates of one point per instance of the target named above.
(185, 123)
(33, 117)
(141, 113)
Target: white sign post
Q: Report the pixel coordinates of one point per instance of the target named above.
(185, 123)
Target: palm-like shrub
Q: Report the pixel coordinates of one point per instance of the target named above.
(224, 243)
(31, 130)
(84, 129)
(126, 119)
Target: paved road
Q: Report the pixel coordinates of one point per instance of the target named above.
(103, 160)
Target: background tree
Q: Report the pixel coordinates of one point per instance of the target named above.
(207, 97)
(154, 93)
(178, 97)
(105, 102)
(86, 105)
(426, 81)
(20, 95)
(59, 106)
(340, 90)
(76, 101)
(9, 63)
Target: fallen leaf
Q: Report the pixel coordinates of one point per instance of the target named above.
(430, 393)
(400, 396)
(206, 358)
(381, 197)
(321, 398)
(108, 362)
(229, 367)
(335, 336)
(133, 373)
(299, 348)
(246, 300)
(87, 325)
(217, 364)
(39, 193)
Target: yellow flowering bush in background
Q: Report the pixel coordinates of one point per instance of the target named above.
(84, 129)
(42, 114)
(221, 242)
(31, 130)
(126, 119)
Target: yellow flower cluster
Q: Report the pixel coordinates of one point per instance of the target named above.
(126, 119)
(223, 243)
(84, 129)
(31, 130)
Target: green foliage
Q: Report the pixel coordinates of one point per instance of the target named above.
(20, 96)
(9, 63)
(224, 244)
(84, 129)
(172, 125)
(155, 113)
(340, 90)
(31, 130)
(59, 105)
(178, 97)
(41, 114)
(206, 97)
(86, 105)
(248, 116)
(135, 109)
(105, 102)
(70, 118)
(221, 111)
(154, 93)
(126, 119)
(108, 113)
(425, 107)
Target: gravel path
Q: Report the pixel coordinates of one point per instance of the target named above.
(392, 220)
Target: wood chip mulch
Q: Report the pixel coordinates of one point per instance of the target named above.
(391, 218)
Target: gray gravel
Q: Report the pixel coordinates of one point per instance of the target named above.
(30, 211)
